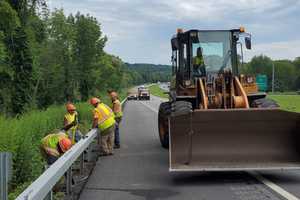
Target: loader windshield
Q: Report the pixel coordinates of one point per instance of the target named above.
(215, 49)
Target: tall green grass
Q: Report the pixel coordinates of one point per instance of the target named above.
(157, 91)
(22, 137)
(287, 102)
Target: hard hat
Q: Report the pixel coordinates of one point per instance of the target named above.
(94, 101)
(65, 144)
(70, 107)
(114, 94)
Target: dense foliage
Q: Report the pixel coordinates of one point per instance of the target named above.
(150, 73)
(287, 73)
(50, 58)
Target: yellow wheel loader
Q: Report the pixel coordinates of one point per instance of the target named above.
(215, 119)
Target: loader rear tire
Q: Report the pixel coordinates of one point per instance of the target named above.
(163, 126)
(264, 103)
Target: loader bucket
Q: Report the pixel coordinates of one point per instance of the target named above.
(243, 139)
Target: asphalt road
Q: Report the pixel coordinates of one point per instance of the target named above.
(139, 170)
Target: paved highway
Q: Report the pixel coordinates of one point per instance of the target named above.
(139, 170)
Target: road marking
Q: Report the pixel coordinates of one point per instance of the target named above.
(150, 107)
(273, 186)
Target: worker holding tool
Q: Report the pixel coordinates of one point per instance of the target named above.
(198, 64)
(71, 123)
(104, 120)
(117, 109)
(54, 145)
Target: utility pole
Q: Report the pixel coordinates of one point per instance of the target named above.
(273, 76)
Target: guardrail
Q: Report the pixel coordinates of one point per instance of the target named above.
(41, 188)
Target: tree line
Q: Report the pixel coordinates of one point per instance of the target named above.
(150, 73)
(286, 72)
(49, 58)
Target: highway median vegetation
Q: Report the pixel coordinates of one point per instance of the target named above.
(157, 91)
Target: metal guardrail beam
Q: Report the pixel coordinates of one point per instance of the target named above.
(42, 186)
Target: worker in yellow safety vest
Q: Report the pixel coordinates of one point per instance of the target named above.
(198, 64)
(71, 123)
(54, 145)
(104, 120)
(117, 109)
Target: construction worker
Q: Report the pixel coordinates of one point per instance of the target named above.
(104, 120)
(117, 109)
(71, 123)
(54, 145)
(198, 64)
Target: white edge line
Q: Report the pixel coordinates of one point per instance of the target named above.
(273, 186)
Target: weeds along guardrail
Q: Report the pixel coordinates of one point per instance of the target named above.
(42, 187)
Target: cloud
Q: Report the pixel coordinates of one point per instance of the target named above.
(140, 30)
(276, 50)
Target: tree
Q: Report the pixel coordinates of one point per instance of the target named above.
(89, 44)
(56, 71)
(296, 62)
(21, 60)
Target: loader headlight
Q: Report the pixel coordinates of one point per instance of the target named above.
(250, 79)
(187, 82)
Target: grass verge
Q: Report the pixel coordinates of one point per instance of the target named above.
(157, 91)
(287, 102)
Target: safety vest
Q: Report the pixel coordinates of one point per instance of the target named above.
(52, 140)
(117, 108)
(198, 61)
(105, 116)
(70, 118)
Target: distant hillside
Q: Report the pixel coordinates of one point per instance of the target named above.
(150, 72)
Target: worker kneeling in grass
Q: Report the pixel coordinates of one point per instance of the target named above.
(104, 120)
(54, 145)
(71, 123)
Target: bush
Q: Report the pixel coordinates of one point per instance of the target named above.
(22, 137)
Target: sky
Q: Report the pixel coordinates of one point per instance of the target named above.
(139, 31)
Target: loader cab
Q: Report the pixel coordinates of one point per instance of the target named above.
(219, 51)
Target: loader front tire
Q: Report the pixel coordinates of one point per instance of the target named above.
(163, 126)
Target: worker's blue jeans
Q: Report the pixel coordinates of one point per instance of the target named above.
(117, 134)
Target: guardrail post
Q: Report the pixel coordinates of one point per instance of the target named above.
(5, 174)
(89, 153)
(69, 183)
(82, 164)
